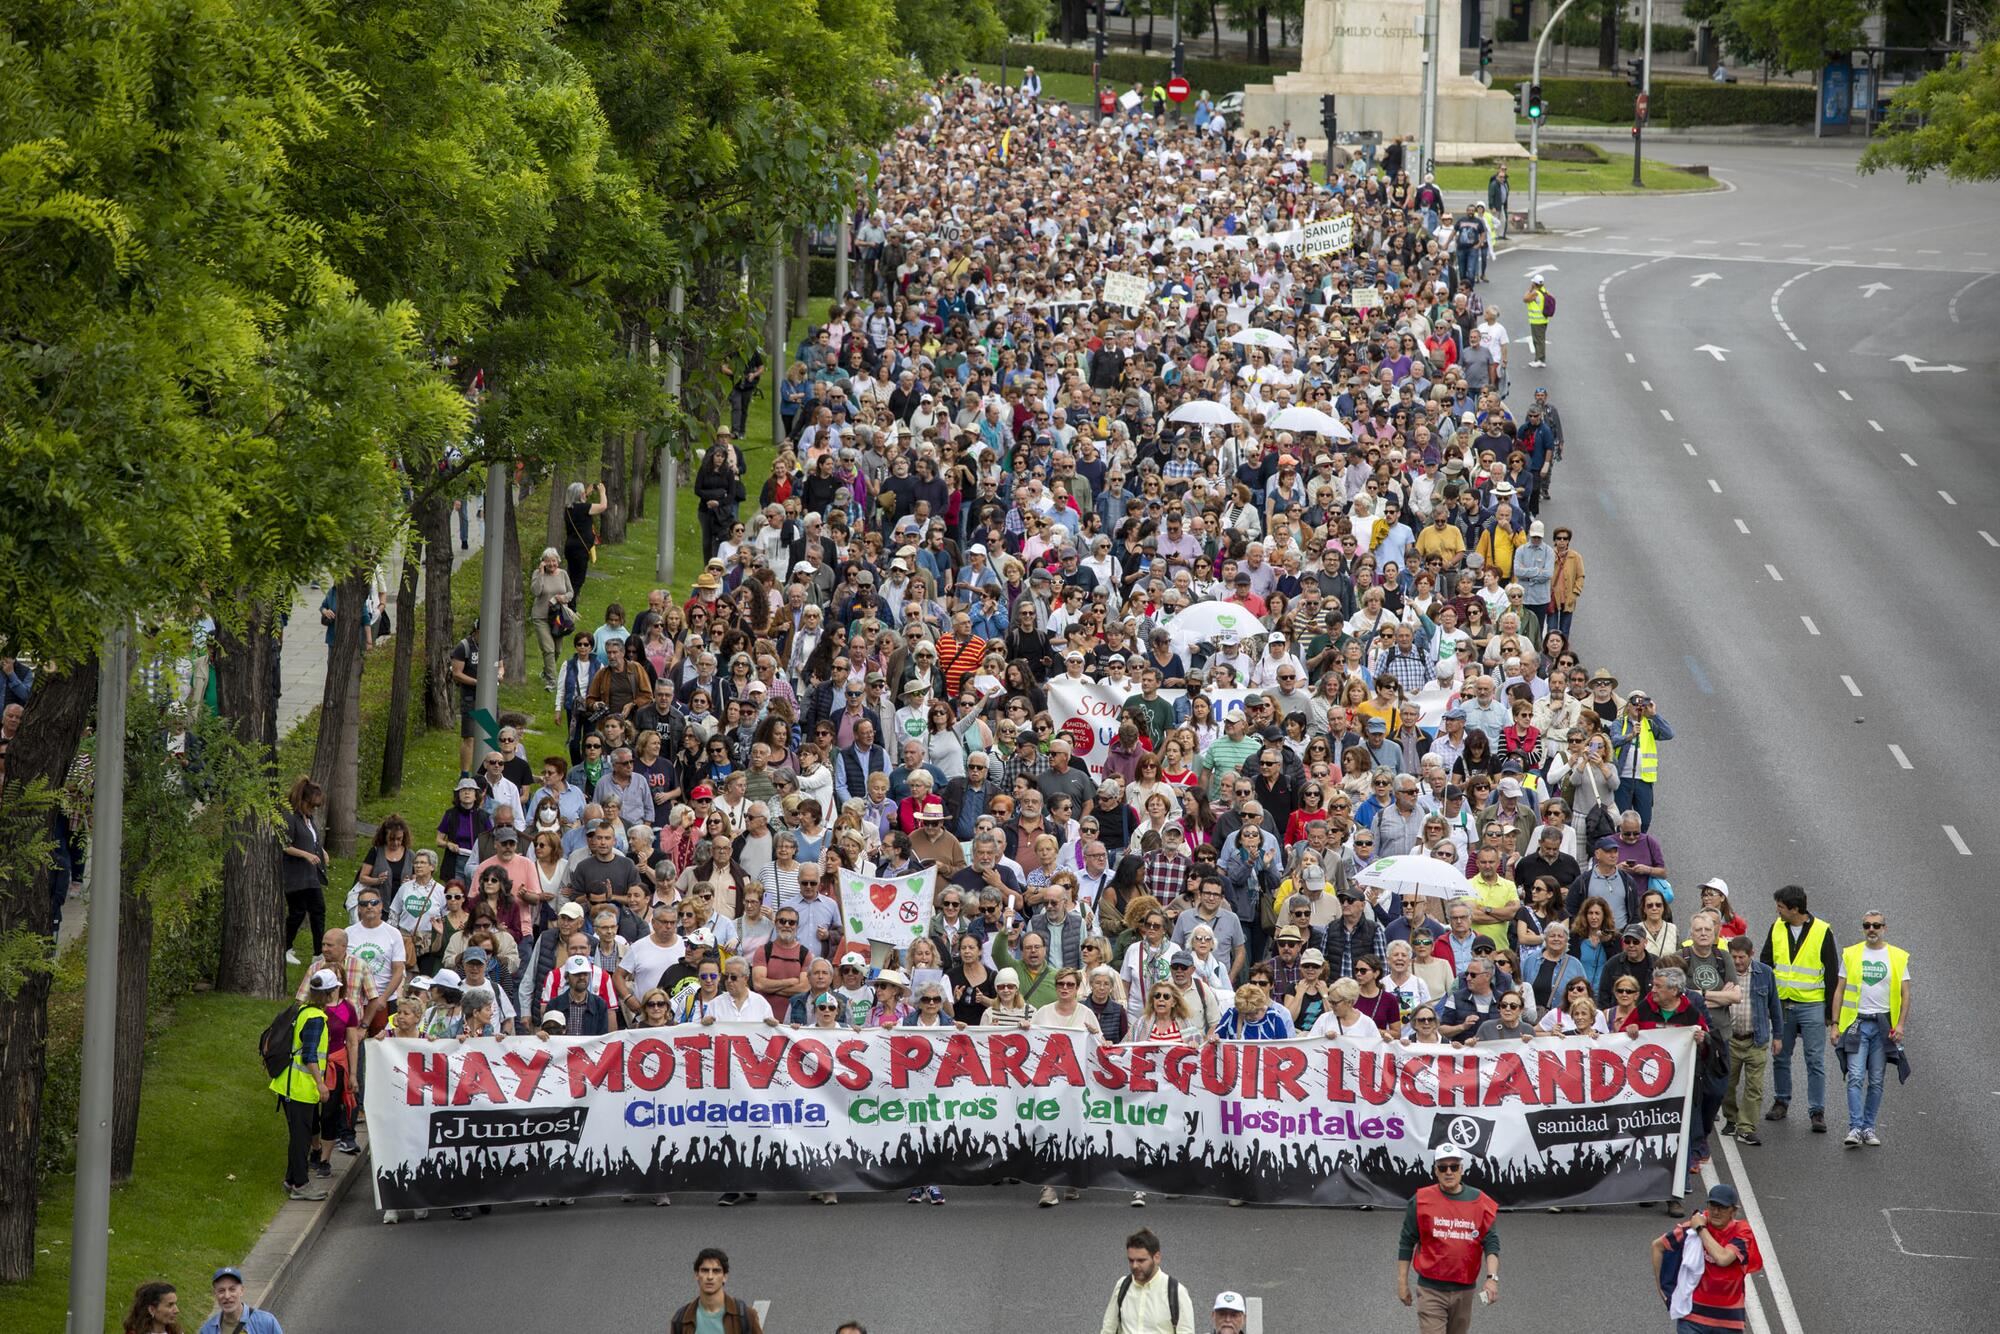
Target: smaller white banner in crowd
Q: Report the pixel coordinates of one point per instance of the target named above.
(1087, 713)
(1126, 289)
(1365, 298)
(1329, 237)
(893, 910)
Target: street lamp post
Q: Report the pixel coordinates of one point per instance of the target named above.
(1535, 122)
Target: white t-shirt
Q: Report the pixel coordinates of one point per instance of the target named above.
(647, 961)
(751, 1009)
(1081, 1019)
(1328, 1025)
(1874, 979)
(415, 907)
(380, 947)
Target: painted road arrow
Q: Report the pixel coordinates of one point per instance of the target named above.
(1713, 351)
(1872, 288)
(1702, 278)
(1917, 365)
(1543, 268)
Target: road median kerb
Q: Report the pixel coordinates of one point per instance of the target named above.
(291, 1235)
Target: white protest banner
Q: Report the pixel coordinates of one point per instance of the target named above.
(894, 910)
(743, 1107)
(1126, 289)
(1365, 298)
(1129, 98)
(1329, 237)
(1087, 713)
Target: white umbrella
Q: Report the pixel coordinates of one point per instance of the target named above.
(1204, 412)
(1415, 873)
(1260, 337)
(1206, 621)
(1299, 417)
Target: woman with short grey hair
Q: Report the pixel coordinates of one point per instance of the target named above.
(549, 587)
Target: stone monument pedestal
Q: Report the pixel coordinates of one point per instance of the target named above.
(1368, 54)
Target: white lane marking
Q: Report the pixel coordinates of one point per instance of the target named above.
(1846, 397)
(1930, 252)
(1253, 1319)
(1689, 447)
(1715, 486)
(1821, 369)
(1877, 425)
(1743, 528)
(1951, 832)
(1779, 315)
(1631, 360)
(1772, 570)
(1774, 1273)
(1902, 760)
(1952, 309)
(1811, 629)
(1907, 459)
(1991, 540)
(763, 1309)
(1896, 1233)
(1852, 688)
(1585, 231)
(1664, 413)
(1947, 498)
(1647, 385)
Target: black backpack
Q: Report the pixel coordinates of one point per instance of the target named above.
(1173, 1299)
(274, 1044)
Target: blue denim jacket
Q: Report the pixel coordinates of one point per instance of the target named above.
(1765, 1014)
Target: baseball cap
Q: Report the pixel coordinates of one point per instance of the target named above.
(1233, 1301)
(577, 964)
(1724, 1194)
(446, 978)
(571, 910)
(1445, 1153)
(1484, 945)
(1535, 528)
(506, 833)
(325, 980)
(1633, 931)
(1716, 883)
(554, 1019)
(1510, 787)
(231, 1271)
(476, 954)
(1608, 843)
(1181, 959)
(700, 938)
(702, 792)
(1312, 956)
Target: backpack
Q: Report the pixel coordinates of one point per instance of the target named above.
(1173, 1299)
(1548, 303)
(274, 1044)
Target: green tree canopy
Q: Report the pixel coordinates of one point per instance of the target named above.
(1952, 122)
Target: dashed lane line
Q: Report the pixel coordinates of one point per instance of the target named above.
(1852, 688)
(1902, 760)
(1951, 832)
(1811, 629)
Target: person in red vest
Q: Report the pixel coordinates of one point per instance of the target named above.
(1450, 1232)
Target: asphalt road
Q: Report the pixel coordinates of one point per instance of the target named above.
(1814, 619)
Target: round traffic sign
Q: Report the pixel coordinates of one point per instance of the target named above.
(1177, 89)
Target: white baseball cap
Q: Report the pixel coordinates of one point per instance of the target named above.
(1230, 1301)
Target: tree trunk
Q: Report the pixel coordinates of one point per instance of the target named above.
(1075, 21)
(44, 748)
(440, 692)
(135, 979)
(1214, 31)
(336, 761)
(611, 471)
(1607, 35)
(404, 645)
(513, 596)
(559, 480)
(802, 282)
(253, 897)
(1263, 34)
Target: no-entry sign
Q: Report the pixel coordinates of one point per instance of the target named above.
(1177, 89)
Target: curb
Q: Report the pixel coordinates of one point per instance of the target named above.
(289, 1240)
(1708, 138)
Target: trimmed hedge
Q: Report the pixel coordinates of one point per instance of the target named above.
(1122, 67)
(1676, 103)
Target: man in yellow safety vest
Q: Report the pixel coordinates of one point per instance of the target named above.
(1802, 953)
(1874, 1015)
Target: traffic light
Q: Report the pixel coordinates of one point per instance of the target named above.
(1328, 121)
(1635, 72)
(1485, 52)
(1534, 101)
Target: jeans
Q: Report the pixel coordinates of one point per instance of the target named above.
(1634, 794)
(1468, 264)
(1558, 619)
(1864, 1071)
(1748, 1060)
(1805, 1021)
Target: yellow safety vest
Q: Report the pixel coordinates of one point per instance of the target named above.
(1537, 312)
(1802, 979)
(1850, 995)
(297, 1082)
(1649, 753)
